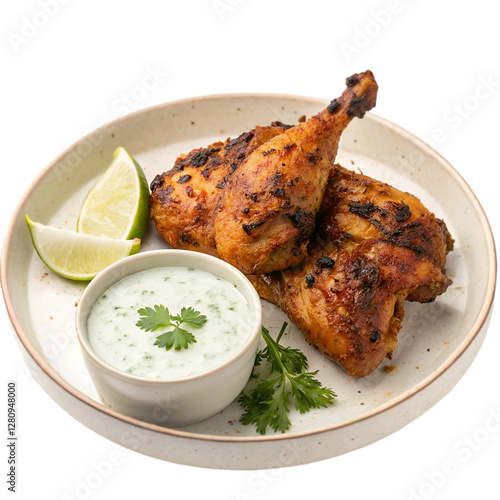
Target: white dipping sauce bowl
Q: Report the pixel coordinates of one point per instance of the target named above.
(175, 402)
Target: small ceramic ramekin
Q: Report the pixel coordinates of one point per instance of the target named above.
(174, 402)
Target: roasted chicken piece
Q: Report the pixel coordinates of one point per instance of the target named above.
(374, 246)
(267, 211)
(183, 200)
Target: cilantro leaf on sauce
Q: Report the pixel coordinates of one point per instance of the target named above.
(152, 319)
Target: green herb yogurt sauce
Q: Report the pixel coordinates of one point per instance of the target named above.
(115, 338)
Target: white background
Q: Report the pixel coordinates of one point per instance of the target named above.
(66, 66)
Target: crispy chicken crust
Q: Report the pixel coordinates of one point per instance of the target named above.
(354, 248)
(374, 246)
(266, 214)
(183, 200)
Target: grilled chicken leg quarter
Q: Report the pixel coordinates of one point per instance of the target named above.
(267, 210)
(374, 246)
(183, 199)
(338, 251)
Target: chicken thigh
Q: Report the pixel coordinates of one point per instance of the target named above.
(353, 249)
(374, 246)
(183, 199)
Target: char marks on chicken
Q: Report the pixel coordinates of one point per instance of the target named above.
(373, 248)
(337, 251)
(266, 214)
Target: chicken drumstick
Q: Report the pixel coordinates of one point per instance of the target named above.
(267, 210)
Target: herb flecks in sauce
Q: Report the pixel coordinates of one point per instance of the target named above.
(195, 288)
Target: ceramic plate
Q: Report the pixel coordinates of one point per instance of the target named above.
(437, 343)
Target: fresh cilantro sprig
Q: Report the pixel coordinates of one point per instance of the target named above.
(268, 404)
(159, 317)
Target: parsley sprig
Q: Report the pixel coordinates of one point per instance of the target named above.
(159, 317)
(268, 404)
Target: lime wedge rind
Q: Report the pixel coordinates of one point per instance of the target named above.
(77, 256)
(117, 206)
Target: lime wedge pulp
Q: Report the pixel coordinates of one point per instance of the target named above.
(117, 206)
(77, 256)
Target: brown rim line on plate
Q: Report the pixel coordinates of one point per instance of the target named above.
(437, 344)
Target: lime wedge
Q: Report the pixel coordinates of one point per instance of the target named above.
(77, 256)
(117, 206)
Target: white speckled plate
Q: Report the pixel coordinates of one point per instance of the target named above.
(436, 345)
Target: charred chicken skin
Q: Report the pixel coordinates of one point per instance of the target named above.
(183, 200)
(368, 247)
(267, 212)
(374, 246)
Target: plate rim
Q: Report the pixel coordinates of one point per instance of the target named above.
(477, 326)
